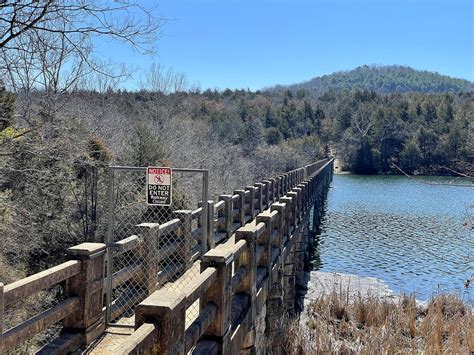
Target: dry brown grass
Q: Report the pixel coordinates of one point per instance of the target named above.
(374, 325)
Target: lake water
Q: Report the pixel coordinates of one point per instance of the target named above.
(410, 234)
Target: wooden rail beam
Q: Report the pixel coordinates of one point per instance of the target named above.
(40, 281)
(38, 323)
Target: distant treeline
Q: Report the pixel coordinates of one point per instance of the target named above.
(421, 133)
(383, 80)
(56, 147)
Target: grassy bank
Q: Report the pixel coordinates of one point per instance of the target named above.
(340, 324)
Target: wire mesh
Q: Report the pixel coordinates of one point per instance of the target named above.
(161, 251)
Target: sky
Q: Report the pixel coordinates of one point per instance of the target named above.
(259, 43)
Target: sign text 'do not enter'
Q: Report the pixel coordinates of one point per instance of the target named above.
(159, 186)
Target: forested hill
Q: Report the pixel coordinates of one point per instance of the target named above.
(383, 79)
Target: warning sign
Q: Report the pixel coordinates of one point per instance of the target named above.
(158, 186)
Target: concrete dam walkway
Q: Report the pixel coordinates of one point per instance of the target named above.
(167, 296)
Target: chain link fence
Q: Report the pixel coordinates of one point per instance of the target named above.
(150, 247)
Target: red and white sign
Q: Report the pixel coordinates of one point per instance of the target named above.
(158, 186)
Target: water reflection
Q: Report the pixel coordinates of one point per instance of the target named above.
(408, 233)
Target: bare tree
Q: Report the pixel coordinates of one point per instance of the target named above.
(47, 50)
(123, 20)
(363, 122)
(165, 81)
(50, 44)
(165, 90)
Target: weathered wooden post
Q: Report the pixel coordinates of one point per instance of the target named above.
(150, 233)
(279, 226)
(220, 295)
(284, 183)
(304, 198)
(210, 224)
(267, 192)
(167, 310)
(211, 242)
(276, 189)
(251, 200)
(266, 260)
(273, 188)
(88, 286)
(279, 187)
(185, 251)
(296, 193)
(248, 285)
(259, 197)
(240, 218)
(248, 259)
(288, 201)
(228, 208)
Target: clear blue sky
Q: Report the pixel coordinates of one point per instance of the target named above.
(258, 43)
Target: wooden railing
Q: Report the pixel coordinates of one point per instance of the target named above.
(229, 213)
(238, 276)
(80, 310)
(251, 234)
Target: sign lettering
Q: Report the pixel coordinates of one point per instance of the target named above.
(159, 187)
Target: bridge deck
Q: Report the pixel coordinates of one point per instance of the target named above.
(114, 336)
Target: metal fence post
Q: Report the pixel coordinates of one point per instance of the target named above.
(109, 242)
(205, 211)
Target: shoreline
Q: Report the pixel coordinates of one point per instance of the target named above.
(324, 283)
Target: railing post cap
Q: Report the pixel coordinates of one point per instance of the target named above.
(220, 255)
(247, 232)
(277, 205)
(87, 250)
(264, 216)
(170, 300)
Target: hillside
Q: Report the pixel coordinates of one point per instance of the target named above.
(384, 79)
